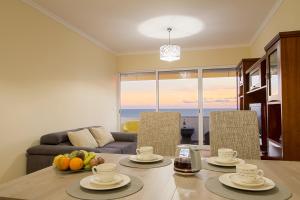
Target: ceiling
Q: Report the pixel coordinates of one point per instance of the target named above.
(116, 24)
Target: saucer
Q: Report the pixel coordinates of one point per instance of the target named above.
(235, 179)
(222, 161)
(88, 184)
(140, 157)
(212, 160)
(226, 180)
(156, 158)
(117, 179)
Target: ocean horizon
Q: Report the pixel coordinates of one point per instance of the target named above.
(185, 112)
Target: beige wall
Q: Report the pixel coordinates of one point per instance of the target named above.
(51, 79)
(210, 57)
(286, 18)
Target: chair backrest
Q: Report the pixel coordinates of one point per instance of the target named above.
(237, 130)
(160, 130)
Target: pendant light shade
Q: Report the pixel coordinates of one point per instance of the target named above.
(170, 52)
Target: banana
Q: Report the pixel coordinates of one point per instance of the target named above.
(89, 158)
(92, 153)
(85, 153)
(67, 155)
(87, 167)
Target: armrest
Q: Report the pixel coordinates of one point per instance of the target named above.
(124, 137)
(56, 149)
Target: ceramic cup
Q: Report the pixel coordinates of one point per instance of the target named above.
(249, 173)
(226, 154)
(105, 172)
(145, 153)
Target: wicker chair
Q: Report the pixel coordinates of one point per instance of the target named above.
(237, 130)
(160, 130)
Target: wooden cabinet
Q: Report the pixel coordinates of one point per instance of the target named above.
(277, 98)
(254, 93)
(283, 99)
(243, 84)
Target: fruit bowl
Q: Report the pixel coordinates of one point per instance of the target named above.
(76, 161)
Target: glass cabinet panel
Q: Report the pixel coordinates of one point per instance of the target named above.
(274, 74)
(254, 79)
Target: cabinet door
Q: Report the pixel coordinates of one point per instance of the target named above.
(273, 65)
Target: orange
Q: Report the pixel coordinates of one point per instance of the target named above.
(76, 164)
(62, 163)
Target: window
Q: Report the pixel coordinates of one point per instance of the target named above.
(219, 94)
(137, 94)
(185, 91)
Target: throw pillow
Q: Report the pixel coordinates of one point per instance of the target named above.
(102, 136)
(82, 138)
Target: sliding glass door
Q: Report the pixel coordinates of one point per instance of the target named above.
(137, 94)
(178, 92)
(218, 94)
(192, 92)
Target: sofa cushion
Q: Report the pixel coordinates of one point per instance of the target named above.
(82, 138)
(101, 136)
(56, 138)
(125, 147)
(109, 150)
(124, 137)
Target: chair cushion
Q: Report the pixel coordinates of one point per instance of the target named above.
(131, 126)
(102, 136)
(82, 138)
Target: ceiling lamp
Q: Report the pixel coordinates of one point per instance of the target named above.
(170, 52)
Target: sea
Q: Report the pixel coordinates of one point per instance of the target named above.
(134, 113)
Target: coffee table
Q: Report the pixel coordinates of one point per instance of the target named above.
(159, 183)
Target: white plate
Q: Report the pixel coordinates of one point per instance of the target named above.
(225, 179)
(235, 179)
(117, 179)
(88, 184)
(155, 159)
(212, 160)
(232, 161)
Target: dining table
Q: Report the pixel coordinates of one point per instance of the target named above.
(159, 183)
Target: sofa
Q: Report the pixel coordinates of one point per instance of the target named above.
(52, 144)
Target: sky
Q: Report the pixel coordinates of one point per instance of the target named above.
(179, 93)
